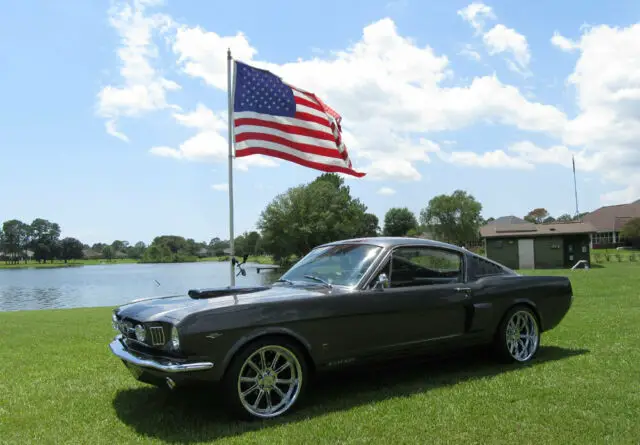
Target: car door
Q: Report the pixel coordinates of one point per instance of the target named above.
(427, 298)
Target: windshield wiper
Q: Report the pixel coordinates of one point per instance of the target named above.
(284, 280)
(313, 277)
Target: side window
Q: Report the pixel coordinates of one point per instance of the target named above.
(485, 268)
(420, 266)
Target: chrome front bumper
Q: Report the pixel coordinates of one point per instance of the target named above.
(119, 350)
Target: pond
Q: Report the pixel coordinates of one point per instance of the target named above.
(111, 285)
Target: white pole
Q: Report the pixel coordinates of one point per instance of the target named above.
(232, 276)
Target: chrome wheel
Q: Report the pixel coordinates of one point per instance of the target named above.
(522, 335)
(269, 381)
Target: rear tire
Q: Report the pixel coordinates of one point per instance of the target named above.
(518, 336)
(265, 379)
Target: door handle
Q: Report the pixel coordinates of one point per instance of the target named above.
(463, 289)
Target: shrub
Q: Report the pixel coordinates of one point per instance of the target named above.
(597, 257)
(619, 257)
(633, 257)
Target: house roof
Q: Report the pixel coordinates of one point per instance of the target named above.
(612, 218)
(527, 230)
(508, 220)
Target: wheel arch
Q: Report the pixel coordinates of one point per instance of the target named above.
(282, 333)
(522, 302)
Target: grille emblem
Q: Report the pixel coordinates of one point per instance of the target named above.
(157, 335)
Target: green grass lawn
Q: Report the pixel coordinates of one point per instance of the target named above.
(60, 384)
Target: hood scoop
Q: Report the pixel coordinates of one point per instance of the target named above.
(198, 294)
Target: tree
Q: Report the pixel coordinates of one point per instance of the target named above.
(371, 225)
(170, 249)
(217, 246)
(549, 220)
(136, 251)
(537, 216)
(453, 218)
(252, 240)
(107, 252)
(631, 231)
(71, 249)
(119, 246)
(15, 239)
(45, 239)
(399, 221)
(565, 217)
(308, 215)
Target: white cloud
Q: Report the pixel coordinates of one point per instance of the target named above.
(220, 187)
(142, 88)
(391, 108)
(557, 154)
(386, 191)
(202, 118)
(209, 144)
(501, 39)
(476, 13)
(204, 54)
(469, 52)
(383, 99)
(492, 159)
(245, 162)
(166, 152)
(607, 82)
(563, 43)
(110, 126)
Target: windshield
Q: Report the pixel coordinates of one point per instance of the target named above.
(342, 265)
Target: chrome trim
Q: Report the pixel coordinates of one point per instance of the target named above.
(157, 335)
(119, 350)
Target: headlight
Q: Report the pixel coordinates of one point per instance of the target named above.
(141, 334)
(114, 322)
(175, 339)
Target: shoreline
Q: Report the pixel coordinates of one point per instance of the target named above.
(59, 264)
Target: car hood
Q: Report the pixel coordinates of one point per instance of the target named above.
(175, 308)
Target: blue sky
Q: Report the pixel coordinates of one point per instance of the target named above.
(118, 136)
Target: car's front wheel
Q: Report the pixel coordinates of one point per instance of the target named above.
(266, 378)
(518, 336)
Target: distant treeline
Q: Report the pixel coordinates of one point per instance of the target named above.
(40, 241)
(294, 222)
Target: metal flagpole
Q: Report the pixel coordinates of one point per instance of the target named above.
(575, 186)
(232, 281)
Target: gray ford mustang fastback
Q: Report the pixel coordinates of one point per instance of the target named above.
(344, 303)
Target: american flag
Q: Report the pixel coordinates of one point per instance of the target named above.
(275, 119)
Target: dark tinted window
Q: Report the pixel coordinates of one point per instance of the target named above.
(485, 268)
(420, 266)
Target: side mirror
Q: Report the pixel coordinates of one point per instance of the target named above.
(382, 282)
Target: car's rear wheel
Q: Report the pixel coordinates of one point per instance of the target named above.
(518, 336)
(266, 379)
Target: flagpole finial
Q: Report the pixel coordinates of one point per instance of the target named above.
(229, 53)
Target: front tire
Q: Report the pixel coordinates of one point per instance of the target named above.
(265, 379)
(518, 336)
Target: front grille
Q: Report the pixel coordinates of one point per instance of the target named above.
(157, 335)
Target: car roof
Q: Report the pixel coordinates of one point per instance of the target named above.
(392, 241)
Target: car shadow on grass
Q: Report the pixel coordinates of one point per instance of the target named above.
(192, 415)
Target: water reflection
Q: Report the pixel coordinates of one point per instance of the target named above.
(111, 285)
